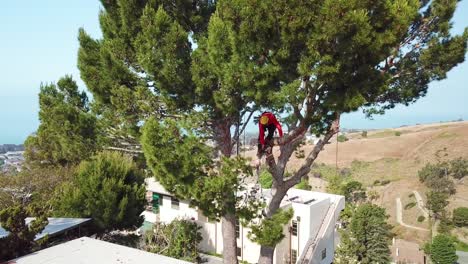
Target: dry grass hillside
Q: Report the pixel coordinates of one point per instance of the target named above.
(383, 155)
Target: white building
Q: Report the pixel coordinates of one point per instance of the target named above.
(310, 237)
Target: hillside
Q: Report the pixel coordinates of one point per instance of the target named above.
(385, 156)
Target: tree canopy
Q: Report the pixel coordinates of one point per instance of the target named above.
(108, 188)
(442, 250)
(68, 132)
(216, 62)
(368, 237)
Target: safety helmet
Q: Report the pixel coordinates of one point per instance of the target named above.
(264, 120)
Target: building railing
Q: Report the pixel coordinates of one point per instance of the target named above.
(309, 249)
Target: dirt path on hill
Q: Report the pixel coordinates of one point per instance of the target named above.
(399, 216)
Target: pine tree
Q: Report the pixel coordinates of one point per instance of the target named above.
(367, 238)
(442, 250)
(109, 189)
(68, 131)
(311, 60)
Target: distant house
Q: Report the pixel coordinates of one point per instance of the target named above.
(310, 236)
(407, 252)
(86, 250)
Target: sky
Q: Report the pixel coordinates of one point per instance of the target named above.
(39, 45)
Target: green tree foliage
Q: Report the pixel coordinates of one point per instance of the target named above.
(460, 216)
(178, 239)
(108, 188)
(20, 240)
(68, 132)
(436, 202)
(367, 238)
(436, 177)
(266, 180)
(442, 250)
(354, 192)
(304, 185)
(342, 138)
(459, 168)
(445, 225)
(270, 231)
(312, 60)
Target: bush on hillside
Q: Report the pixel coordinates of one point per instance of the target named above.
(460, 216)
(342, 138)
(410, 205)
(304, 185)
(397, 133)
(364, 134)
(421, 218)
(385, 182)
(445, 225)
(459, 168)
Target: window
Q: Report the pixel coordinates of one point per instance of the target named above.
(155, 202)
(294, 228)
(324, 253)
(293, 256)
(239, 252)
(237, 229)
(174, 203)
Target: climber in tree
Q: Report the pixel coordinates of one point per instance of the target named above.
(267, 121)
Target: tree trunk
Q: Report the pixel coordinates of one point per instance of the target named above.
(229, 239)
(266, 255)
(222, 132)
(278, 193)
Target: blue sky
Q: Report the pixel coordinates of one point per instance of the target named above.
(39, 44)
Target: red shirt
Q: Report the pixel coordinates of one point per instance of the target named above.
(271, 121)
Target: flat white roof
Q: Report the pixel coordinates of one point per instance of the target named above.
(154, 186)
(55, 226)
(87, 250)
(293, 195)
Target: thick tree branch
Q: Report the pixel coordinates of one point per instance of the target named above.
(305, 168)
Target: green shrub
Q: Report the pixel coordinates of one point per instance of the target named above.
(342, 138)
(459, 168)
(421, 218)
(178, 239)
(442, 249)
(304, 185)
(410, 205)
(266, 179)
(385, 182)
(397, 133)
(377, 182)
(364, 134)
(445, 225)
(460, 216)
(411, 195)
